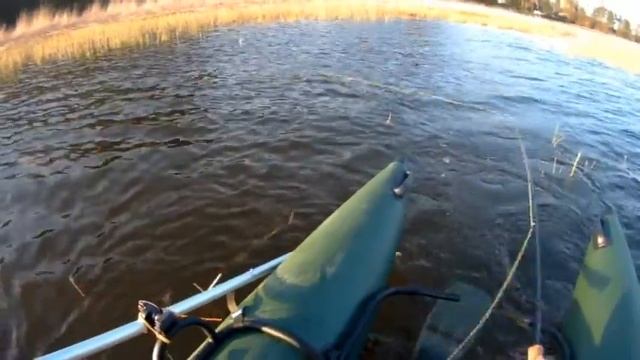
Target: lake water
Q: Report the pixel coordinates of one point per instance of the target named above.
(145, 171)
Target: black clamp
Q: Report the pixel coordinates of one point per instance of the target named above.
(165, 324)
(159, 321)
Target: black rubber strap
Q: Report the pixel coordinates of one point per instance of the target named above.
(339, 351)
(160, 348)
(365, 316)
(251, 326)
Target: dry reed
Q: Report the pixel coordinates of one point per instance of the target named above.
(46, 36)
(197, 287)
(72, 280)
(575, 164)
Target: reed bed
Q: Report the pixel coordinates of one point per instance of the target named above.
(46, 36)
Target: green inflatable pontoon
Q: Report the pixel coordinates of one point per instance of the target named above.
(604, 319)
(316, 292)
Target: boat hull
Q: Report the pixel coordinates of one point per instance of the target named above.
(316, 292)
(603, 321)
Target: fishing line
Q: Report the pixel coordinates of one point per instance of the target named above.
(458, 351)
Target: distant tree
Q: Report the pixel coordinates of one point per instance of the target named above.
(546, 7)
(571, 9)
(600, 12)
(581, 13)
(625, 29)
(517, 4)
(529, 5)
(583, 19)
(611, 20)
(600, 26)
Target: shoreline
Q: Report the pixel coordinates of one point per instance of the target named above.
(46, 37)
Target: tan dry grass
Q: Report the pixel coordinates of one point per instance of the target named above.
(45, 36)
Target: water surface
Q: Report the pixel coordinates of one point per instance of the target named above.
(146, 171)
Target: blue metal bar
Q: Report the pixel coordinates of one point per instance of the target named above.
(135, 328)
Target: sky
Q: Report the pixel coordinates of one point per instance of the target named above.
(628, 9)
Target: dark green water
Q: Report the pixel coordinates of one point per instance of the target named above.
(146, 171)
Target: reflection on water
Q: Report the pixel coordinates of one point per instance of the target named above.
(144, 172)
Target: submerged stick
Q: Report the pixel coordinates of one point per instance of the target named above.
(73, 282)
(213, 319)
(213, 283)
(291, 216)
(272, 233)
(575, 164)
(388, 122)
(553, 170)
(275, 231)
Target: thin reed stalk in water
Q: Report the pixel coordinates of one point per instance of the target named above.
(555, 139)
(75, 285)
(72, 280)
(272, 233)
(575, 164)
(275, 231)
(215, 281)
